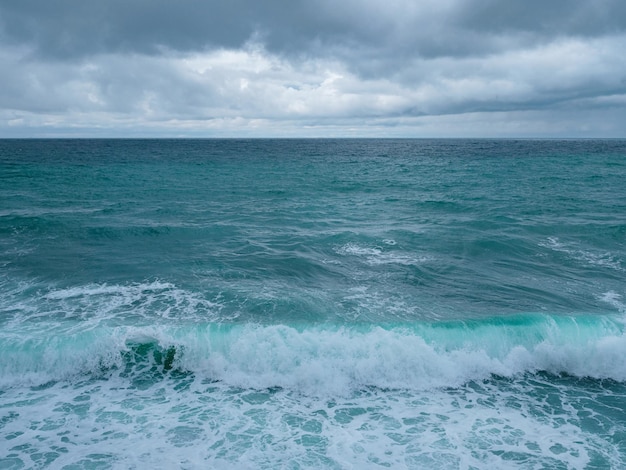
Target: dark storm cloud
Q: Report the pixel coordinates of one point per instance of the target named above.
(70, 28)
(74, 28)
(546, 18)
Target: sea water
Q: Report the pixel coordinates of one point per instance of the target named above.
(447, 304)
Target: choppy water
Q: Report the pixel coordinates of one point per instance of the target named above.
(312, 304)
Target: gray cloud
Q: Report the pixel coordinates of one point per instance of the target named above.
(549, 19)
(274, 67)
(70, 28)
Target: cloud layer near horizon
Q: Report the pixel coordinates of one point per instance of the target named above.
(362, 68)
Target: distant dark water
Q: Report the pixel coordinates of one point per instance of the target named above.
(312, 303)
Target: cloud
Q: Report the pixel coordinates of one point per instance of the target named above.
(74, 28)
(351, 68)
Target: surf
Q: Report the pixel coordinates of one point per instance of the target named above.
(324, 359)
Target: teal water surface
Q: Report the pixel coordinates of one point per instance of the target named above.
(312, 303)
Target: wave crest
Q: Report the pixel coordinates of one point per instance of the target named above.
(328, 359)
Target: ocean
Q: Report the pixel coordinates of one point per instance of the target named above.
(300, 304)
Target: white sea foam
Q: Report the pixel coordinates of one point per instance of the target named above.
(340, 361)
(587, 256)
(379, 256)
(614, 299)
(191, 423)
(96, 304)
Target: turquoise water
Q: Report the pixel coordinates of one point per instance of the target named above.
(312, 304)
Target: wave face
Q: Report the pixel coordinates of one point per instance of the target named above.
(312, 304)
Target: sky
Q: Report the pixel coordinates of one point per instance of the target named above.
(292, 68)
